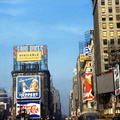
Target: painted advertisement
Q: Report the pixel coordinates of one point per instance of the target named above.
(32, 108)
(29, 53)
(28, 87)
(87, 86)
(117, 80)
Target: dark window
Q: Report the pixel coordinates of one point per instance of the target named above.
(117, 2)
(104, 41)
(102, 2)
(105, 51)
(118, 41)
(106, 66)
(118, 25)
(105, 59)
(112, 41)
(110, 9)
(112, 51)
(113, 60)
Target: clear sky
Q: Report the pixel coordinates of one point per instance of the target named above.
(59, 24)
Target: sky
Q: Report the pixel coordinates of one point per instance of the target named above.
(59, 24)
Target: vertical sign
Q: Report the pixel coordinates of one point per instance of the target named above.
(87, 51)
(87, 86)
(117, 80)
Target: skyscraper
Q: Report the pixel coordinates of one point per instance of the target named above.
(106, 15)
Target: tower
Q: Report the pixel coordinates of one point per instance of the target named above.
(106, 15)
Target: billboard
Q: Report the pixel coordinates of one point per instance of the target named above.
(29, 53)
(87, 51)
(117, 79)
(105, 83)
(31, 108)
(28, 87)
(87, 86)
(83, 57)
(29, 56)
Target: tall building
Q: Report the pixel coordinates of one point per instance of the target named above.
(106, 14)
(31, 83)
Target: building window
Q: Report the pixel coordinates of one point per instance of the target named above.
(105, 51)
(110, 17)
(102, 2)
(116, 2)
(104, 33)
(117, 9)
(111, 25)
(110, 9)
(109, 2)
(111, 33)
(118, 33)
(104, 41)
(117, 17)
(112, 51)
(118, 25)
(103, 17)
(104, 25)
(119, 41)
(112, 41)
(113, 60)
(103, 9)
(106, 66)
(105, 59)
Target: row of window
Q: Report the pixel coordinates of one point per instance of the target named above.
(112, 41)
(109, 2)
(111, 33)
(111, 25)
(110, 17)
(112, 51)
(117, 9)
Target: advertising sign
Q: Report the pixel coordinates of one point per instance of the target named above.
(29, 53)
(32, 108)
(29, 56)
(87, 86)
(117, 80)
(83, 57)
(87, 51)
(28, 87)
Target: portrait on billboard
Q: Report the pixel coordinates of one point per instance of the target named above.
(28, 87)
(87, 86)
(31, 108)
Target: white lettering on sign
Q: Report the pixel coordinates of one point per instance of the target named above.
(29, 48)
(22, 48)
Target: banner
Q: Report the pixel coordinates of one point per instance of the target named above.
(87, 86)
(28, 87)
(32, 108)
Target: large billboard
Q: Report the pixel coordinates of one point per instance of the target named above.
(28, 87)
(29, 53)
(31, 108)
(87, 86)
